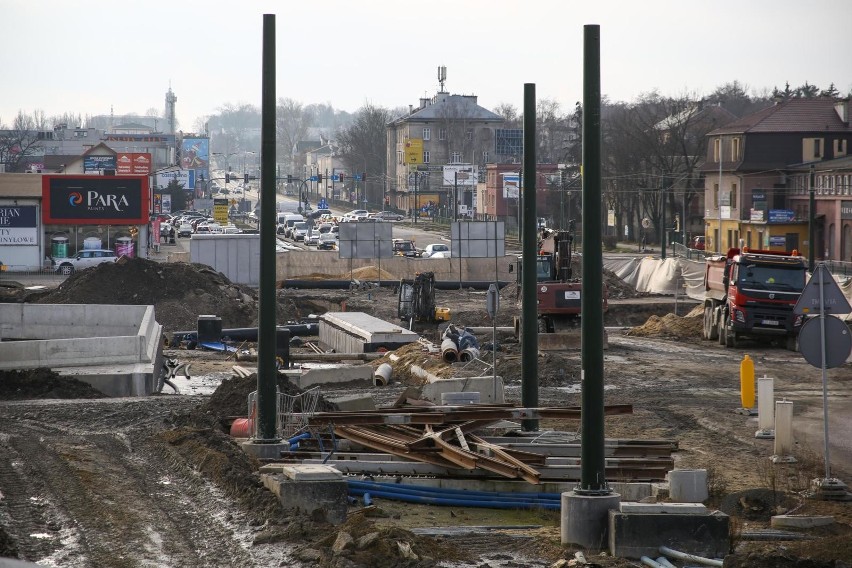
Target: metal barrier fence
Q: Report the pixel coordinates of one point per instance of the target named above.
(292, 412)
(30, 275)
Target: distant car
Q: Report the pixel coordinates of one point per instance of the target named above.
(437, 250)
(327, 241)
(698, 243)
(85, 258)
(312, 239)
(405, 247)
(185, 230)
(299, 231)
(390, 216)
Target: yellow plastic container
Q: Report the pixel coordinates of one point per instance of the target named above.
(442, 314)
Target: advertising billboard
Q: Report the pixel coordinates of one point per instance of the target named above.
(133, 163)
(94, 200)
(18, 225)
(511, 182)
(220, 210)
(183, 177)
(414, 151)
(97, 164)
(466, 175)
(195, 155)
(781, 215)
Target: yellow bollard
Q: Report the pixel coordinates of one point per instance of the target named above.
(747, 382)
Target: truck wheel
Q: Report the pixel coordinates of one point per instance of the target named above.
(722, 332)
(731, 339)
(710, 331)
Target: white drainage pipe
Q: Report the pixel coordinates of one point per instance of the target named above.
(664, 562)
(422, 373)
(690, 557)
(765, 408)
(650, 562)
(382, 375)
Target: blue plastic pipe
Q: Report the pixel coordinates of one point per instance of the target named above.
(454, 502)
(464, 493)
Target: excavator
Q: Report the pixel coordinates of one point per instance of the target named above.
(558, 294)
(417, 300)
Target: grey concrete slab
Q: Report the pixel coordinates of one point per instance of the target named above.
(633, 535)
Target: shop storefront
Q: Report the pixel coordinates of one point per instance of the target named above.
(94, 212)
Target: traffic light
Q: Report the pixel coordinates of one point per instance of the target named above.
(364, 176)
(289, 178)
(319, 178)
(227, 178)
(245, 178)
(340, 178)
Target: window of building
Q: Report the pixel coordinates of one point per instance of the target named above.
(485, 157)
(817, 148)
(735, 149)
(469, 134)
(716, 194)
(455, 157)
(717, 149)
(734, 195)
(427, 134)
(425, 156)
(839, 148)
(442, 134)
(399, 157)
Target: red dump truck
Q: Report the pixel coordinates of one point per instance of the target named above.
(752, 293)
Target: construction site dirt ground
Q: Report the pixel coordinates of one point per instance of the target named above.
(156, 482)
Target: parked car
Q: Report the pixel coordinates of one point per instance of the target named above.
(698, 242)
(327, 241)
(84, 259)
(390, 216)
(437, 250)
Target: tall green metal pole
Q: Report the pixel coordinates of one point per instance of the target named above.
(592, 467)
(529, 309)
(267, 374)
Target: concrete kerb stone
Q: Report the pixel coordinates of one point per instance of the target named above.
(325, 497)
(800, 521)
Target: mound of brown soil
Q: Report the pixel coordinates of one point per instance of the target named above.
(42, 383)
(179, 292)
(670, 326)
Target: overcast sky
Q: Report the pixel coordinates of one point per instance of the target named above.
(86, 56)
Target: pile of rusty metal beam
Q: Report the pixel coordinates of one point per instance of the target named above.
(447, 441)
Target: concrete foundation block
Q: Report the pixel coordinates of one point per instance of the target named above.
(664, 508)
(354, 403)
(585, 519)
(332, 375)
(688, 485)
(483, 385)
(633, 535)
(325, 497)
(632, 491)
(800, 521)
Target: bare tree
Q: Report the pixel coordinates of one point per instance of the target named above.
(19, 142)
(292, 121)
(510, 114)
(362, 145)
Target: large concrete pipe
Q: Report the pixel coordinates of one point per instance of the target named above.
(382, 375)
(469, 354)
(449, 350)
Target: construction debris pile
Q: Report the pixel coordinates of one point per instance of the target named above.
(179, 291)
(26, 384)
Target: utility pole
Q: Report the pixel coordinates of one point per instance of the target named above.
(455, 196)
(416, 207)
(811, 221)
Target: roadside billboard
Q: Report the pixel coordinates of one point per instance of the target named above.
(97, 164)
(183, 177)
(133, 163)
(465, 174)
(195, 155)
(511, 183)
(220, 210)
(94, 200)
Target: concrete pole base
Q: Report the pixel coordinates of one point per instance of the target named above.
(585, 519)
(265, 451)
